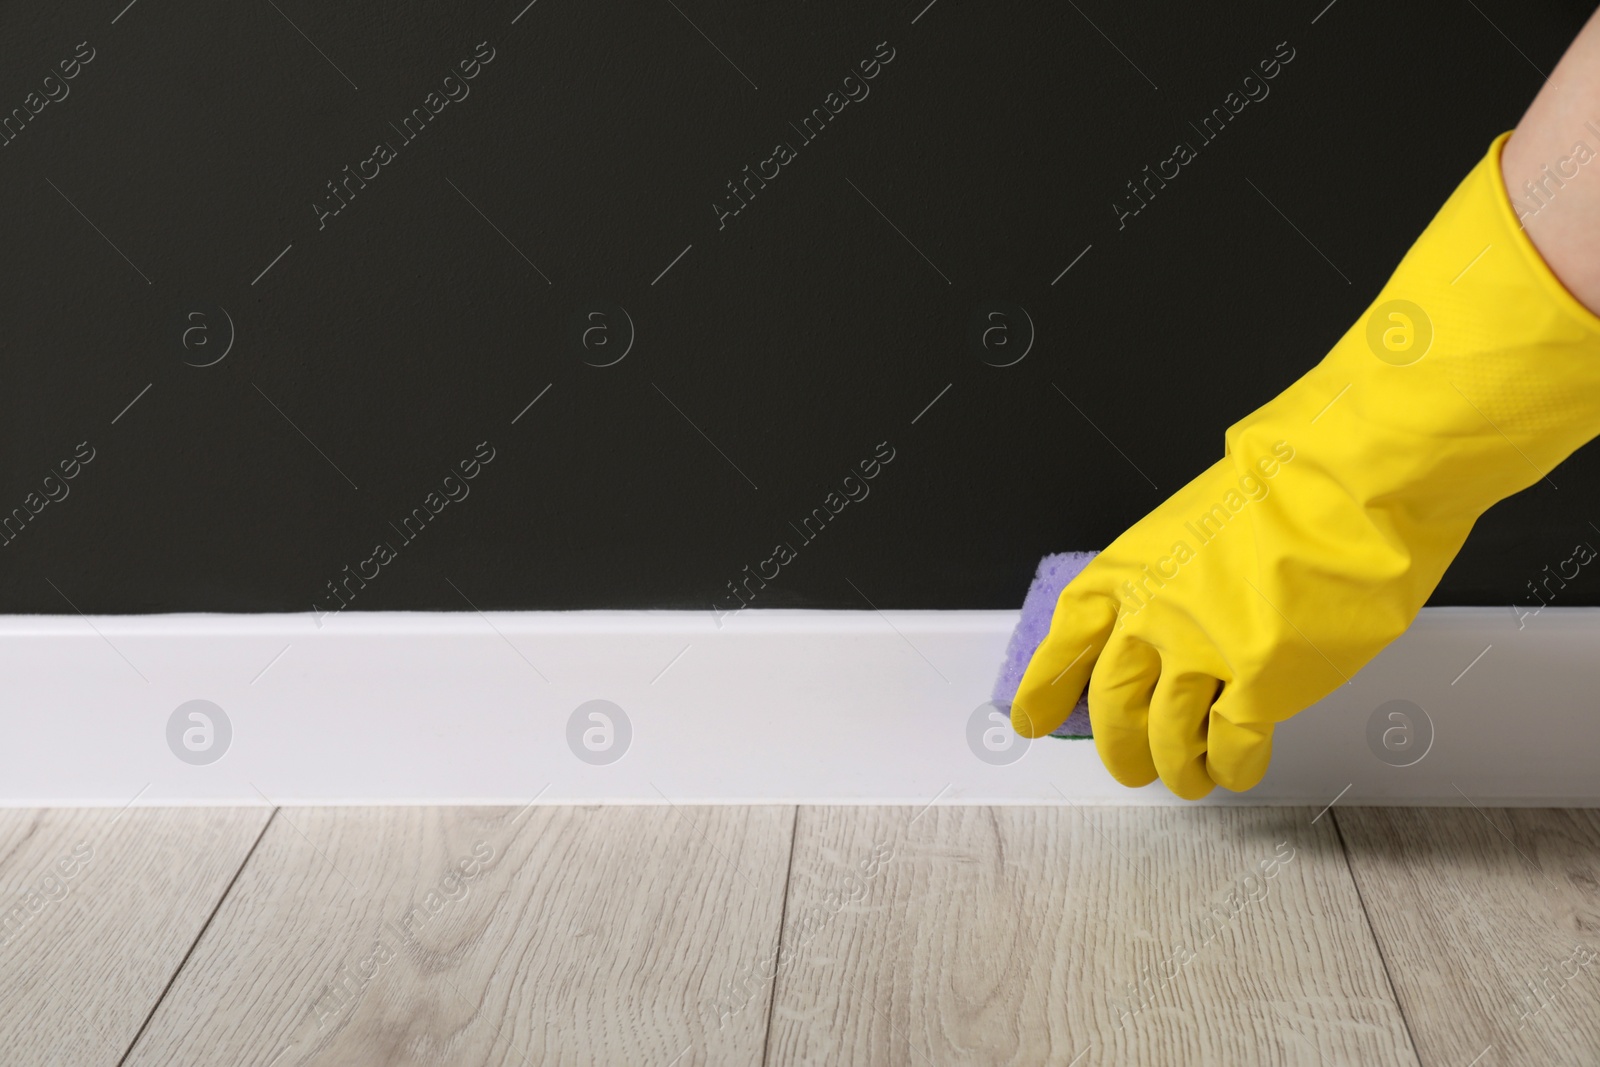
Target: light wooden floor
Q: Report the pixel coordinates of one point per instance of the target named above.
(680, 935)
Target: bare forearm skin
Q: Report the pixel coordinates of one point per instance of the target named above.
(1552, 168)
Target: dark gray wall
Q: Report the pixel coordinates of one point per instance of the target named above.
(774, 351)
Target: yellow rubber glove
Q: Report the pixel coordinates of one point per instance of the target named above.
(1273, 577)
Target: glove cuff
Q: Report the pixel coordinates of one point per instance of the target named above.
(1471, 376)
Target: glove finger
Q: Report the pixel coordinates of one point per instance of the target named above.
(1237, 755)
(1179, 711)
(1119, 709)
(1061, 665)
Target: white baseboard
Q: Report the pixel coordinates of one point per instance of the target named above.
(775, 706)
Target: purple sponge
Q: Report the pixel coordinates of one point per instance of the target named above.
(1055, 571)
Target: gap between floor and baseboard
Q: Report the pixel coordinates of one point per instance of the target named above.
(1473, 705)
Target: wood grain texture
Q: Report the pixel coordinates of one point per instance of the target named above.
(100, 907)
(566, 936)
(1022, 935)
(1490, 922)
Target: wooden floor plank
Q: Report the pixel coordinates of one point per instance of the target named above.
(1078, 936)
(565, 936)
(1490, 922)
(100, 907)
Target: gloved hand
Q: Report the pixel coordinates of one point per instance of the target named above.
(1274, 576)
